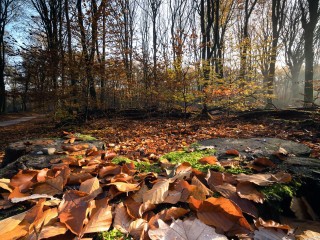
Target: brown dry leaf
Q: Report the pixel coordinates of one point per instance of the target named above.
(8, 224)
(265, 162)
(258, 179)
(138, 196)
(167, 215)
(42, 175)
(75, 148)
(208, 160)
(17, 194)
(73, 210)
(201, 190)
(101, 217)
(138, 227)
(281, 177)
(223, 214)
(145, 207)
(47, 218)
(91, 186)
(271, 224)
(35, 212)
(5, 184)
(173, 197)
(24, 179)
(76, 178)
(52, 186)
(32, 197)
(125, 187)
(189, 229)
(112, 169)
(122, 219)
(158, 193)
(282, 154)
(49, 231)
(132, 207)
(248, 191)
(17, 233)
(308, 235)
(233, 152)
(302, 209)
(217, 178)
(271, 234)
(229, 191)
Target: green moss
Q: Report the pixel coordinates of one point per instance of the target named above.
(84, 137)
(147, 167)
(113, 234)
(140, 166)
(190, 157)
(121, 159)
(278, 191)
(238, 170)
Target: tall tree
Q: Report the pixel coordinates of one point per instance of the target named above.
(310, 13)
(278, 7)
(293, 41)
(7, 12)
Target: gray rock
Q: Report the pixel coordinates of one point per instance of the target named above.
(256, 147)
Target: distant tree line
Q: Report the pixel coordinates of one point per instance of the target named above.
(83, 55)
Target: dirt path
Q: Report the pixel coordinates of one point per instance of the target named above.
(16, 121)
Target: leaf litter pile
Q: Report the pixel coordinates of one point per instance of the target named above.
(91, 191)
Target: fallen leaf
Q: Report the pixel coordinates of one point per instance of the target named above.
(49, 231)
(32, 197)
(122, 219)
(265, 162)
(248, 191)
(223, 214)
(233, 152)
(24, 179)
(73, 210)
(271, 234)
(101, 217)
(208, 160)
(201, 190)
(109, 170)
(189, 229)
(271, 224)
(52, 186)
(258, 179)
(281, 177)
(5, 184)
(158, 193)
(137, 228)
(91, 186)
(17, 233)
(173, 197)
(302, 209)
(308, 235)
(8, 224)
(167, 215)
(125, 187)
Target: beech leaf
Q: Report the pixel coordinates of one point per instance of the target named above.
(91, 186)
(185, 230)
(158, 193)
(10, 223)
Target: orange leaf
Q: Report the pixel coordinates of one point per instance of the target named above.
(158, 193)
(208, 160)
(222, 213)
(91, 186)
(233, 152)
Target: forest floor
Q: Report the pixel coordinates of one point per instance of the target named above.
(146, 140)
(163, 135)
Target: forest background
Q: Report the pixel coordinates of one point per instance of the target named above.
(79, 56)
